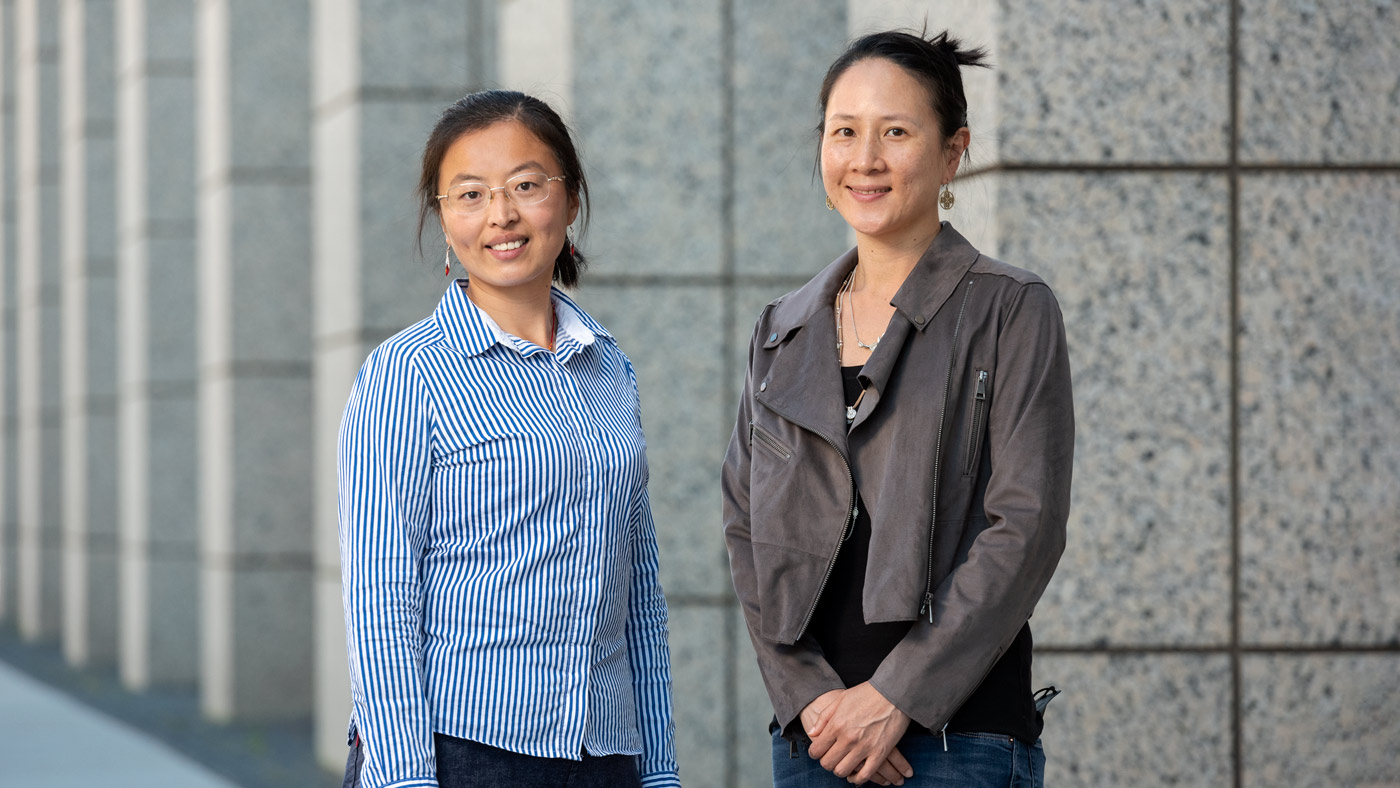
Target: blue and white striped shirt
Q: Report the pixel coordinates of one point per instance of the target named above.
(498, 555)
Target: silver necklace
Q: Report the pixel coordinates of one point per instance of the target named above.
(840, 334)
(855, 329)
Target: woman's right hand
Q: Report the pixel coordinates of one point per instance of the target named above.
(813, 710)
(891, 772)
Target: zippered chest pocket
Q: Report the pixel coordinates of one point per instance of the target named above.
(978, 428)
(761, 437)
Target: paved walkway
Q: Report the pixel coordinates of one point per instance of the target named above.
(48, 740)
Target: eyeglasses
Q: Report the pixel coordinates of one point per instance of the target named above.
(527, 188)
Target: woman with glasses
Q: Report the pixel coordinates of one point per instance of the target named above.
(897, 485)
(503, 617)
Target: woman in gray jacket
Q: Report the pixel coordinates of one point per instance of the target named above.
(897, 485)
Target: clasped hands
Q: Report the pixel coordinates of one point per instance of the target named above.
(854, 732)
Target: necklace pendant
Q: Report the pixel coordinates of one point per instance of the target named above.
(850, 414)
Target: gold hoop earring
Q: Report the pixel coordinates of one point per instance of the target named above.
(946, 199)
(830, 206)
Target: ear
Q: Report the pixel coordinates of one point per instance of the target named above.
(953, 152)
(573, 207)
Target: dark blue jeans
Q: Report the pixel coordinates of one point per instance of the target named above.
(973, 760)
(462, 763)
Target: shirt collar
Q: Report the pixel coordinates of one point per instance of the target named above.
(470, 330)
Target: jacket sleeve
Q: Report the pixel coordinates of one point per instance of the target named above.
(383, 463)
(981, 605)
(794, 675)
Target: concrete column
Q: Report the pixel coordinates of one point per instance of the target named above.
(253, 78)
(8, 511)
(535, 50)
(157, 371)
(38, 329)
(88, 209)
(377, 90)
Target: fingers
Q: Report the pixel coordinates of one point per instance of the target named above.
(823, 718)
(812, 720)
(868, 770)
(845, 766)
(819, 746)
(890, 774)
(897, 760)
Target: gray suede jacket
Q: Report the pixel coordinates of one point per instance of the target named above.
(962, 447)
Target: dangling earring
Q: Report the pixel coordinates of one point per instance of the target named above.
(946, 198)
(569, 234)
(447, 262)
(830, 206)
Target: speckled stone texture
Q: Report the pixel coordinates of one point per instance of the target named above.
(1140, 266)
(1318, 81)
(778, 207)
(649, 111)
(1320, 409)
(1101, 81)
(753, 748)
(1321, 720)
(684, 417)
(1137, 720)
(698, 669)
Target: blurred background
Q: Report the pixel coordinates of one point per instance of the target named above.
(209, 221)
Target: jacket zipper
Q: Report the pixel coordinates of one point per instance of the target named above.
(938, 456)
(771, 442)
(979, 407)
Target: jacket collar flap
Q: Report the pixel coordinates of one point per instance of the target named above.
(804, 382)
(934, 277)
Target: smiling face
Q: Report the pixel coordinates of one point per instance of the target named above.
(883, 156)
(506, 248)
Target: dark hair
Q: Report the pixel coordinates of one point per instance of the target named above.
(934, 62)
(480, 110)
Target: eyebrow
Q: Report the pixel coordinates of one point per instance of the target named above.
(905, 118)
(529, 166)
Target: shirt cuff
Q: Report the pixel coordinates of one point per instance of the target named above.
(662, 780)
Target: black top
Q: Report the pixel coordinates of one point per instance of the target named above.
(1001, 704)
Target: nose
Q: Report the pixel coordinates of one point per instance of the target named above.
(869, 156)
(501, 209)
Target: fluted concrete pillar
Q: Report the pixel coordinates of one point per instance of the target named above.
(9, 515)
(88, 205)
(157, 370)
(256, 633)
(38, 315)
(376, 94)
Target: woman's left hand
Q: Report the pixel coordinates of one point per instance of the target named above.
(855, 734)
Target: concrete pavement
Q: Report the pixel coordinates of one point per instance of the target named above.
(49, 740)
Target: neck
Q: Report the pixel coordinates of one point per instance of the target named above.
(886, 263)
(528, 315)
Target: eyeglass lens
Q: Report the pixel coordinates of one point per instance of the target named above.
(524, 189)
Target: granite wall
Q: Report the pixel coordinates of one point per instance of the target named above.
(1212, 189)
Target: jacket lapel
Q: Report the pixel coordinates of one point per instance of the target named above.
(924, 292)
(803, 384)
